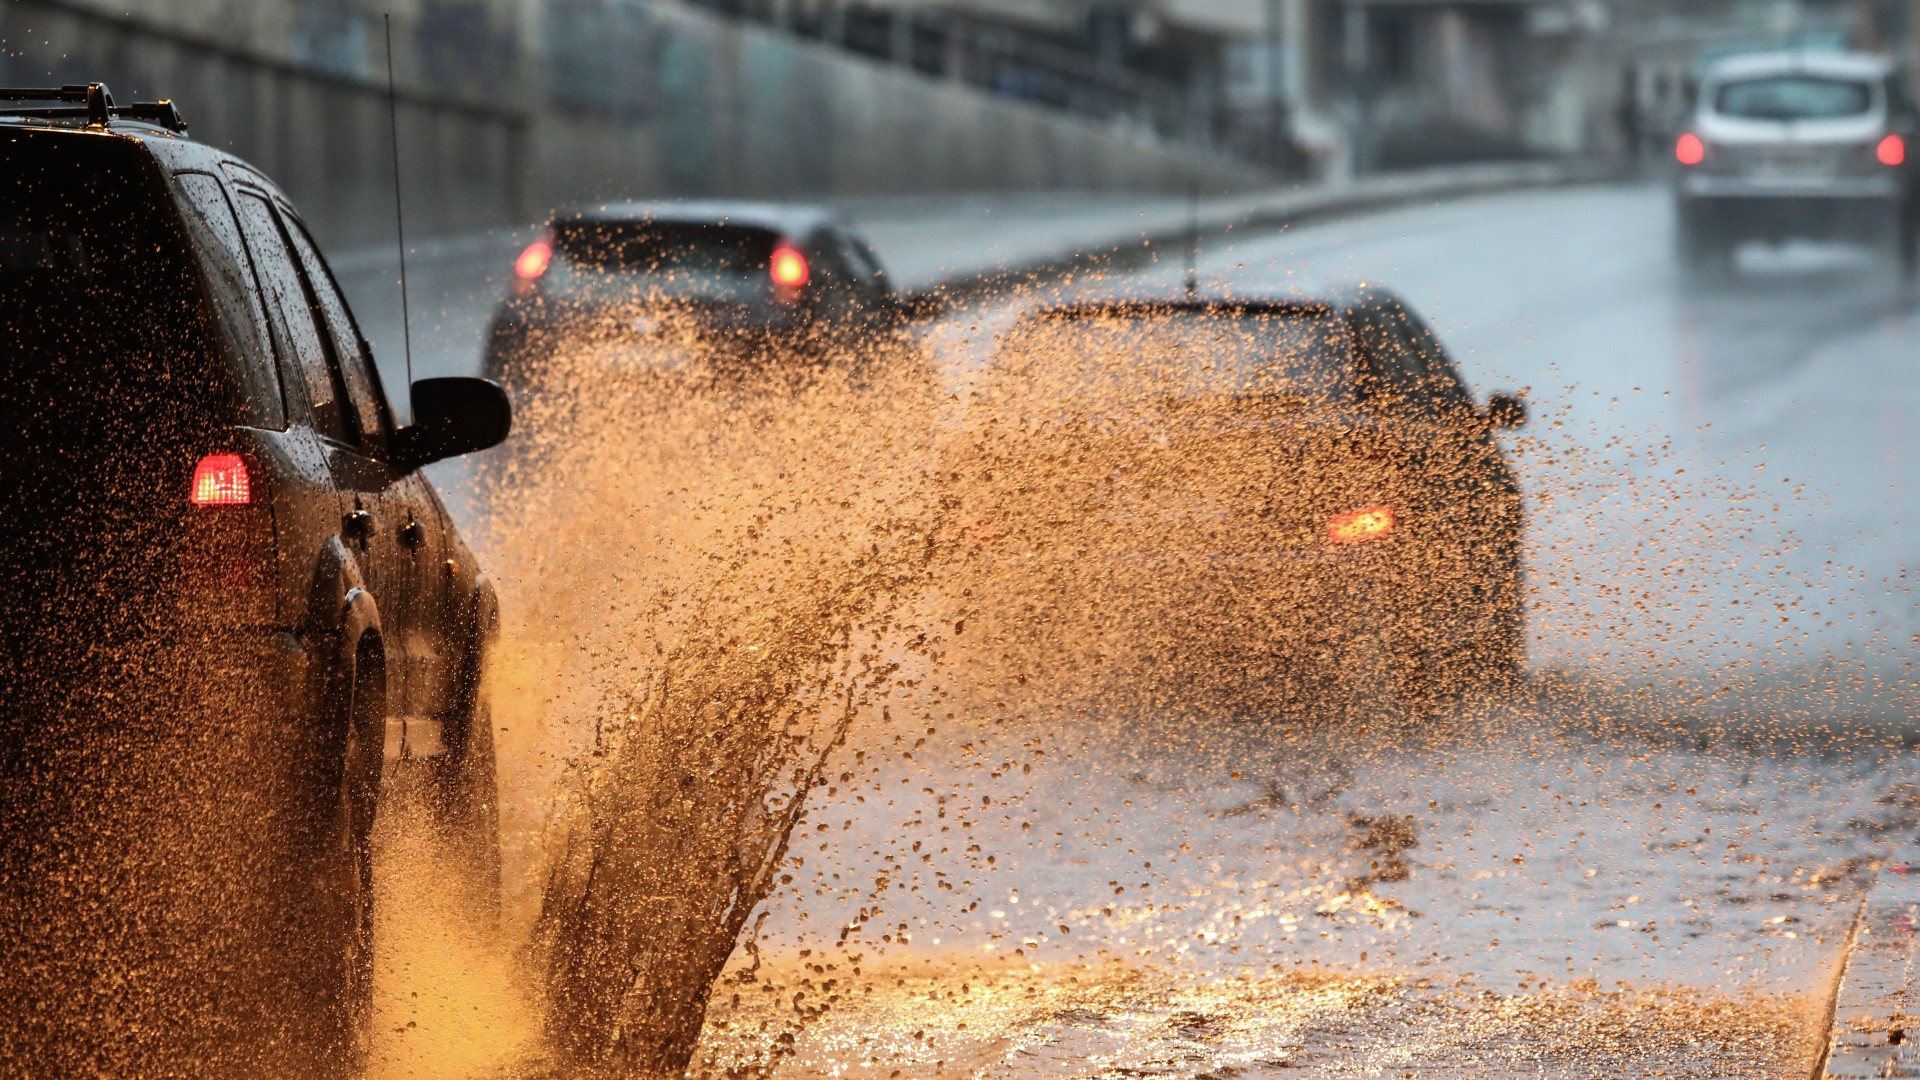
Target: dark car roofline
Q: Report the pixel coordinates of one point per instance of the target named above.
(1141, 306)
(91, 103)
(791, 219)
(1332, 298)
(144, 129)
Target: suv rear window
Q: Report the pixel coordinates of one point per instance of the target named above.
(1793, 97)
(718, 262)
(107, 329)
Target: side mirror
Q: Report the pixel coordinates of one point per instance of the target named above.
(1505, 411)
(452, 416)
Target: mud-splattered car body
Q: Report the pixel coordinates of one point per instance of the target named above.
(1305, 481)
(236, 604)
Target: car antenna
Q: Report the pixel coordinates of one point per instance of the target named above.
(399, 219)
(1193, 238)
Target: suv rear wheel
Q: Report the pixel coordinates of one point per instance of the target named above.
(465, 786)
(343, 870)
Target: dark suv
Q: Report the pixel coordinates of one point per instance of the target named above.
(235, 606)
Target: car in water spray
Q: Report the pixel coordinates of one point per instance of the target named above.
(1277, 496)
(237, 608)
(733, 288)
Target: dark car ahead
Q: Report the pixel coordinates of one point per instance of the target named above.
(1297, 489)
(235, 605)
(738, 286)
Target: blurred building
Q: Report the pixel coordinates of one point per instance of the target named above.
(1305, 87)
(1662, 45)
(507, 108)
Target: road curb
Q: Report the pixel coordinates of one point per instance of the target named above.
(1116, 247)
(1874, 1025)
(1277, 209)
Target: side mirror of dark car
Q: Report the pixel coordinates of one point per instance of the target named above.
(1505, 411)
(452, 416)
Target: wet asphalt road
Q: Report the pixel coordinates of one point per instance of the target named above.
(1646, 862)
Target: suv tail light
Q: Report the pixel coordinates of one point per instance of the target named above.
(1892, 150)
(1689, 149)
(1360, 526)
(227, 543)
(222, 480)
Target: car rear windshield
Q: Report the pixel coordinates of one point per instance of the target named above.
(1292, 353)
(108, 333)
(1793, 97)
(671, 260)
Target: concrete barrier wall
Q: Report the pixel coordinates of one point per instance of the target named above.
(736, 110)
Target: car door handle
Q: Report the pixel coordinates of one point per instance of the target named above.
(413, 534)
(358, 525)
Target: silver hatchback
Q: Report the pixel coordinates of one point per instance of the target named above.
(1796, 145)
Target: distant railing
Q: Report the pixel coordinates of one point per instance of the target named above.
(1019, 66)
(606, 56)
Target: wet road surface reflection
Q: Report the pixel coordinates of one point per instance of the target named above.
(1552, 884)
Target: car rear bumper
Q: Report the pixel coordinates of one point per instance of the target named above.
(263, 672)
(1882, 187)
(519, 351)
(1860, 213)
(1300, 603)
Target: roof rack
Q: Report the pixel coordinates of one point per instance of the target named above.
(92, 101)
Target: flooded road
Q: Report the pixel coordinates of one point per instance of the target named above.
(1644, 863)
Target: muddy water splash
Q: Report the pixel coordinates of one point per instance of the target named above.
(721, 566)
(1114, 804)
(1138, 849)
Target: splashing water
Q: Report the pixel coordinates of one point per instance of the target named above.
(721, 565)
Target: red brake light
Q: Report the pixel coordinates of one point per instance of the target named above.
(789, 268)
(1689, 150)
(534, 261)
(1359, 526)
(1892, 150)
(222, 480)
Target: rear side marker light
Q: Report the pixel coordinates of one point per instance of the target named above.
(1892, 150)
(789, 268)
(1689, 150)
(1360, 526)
(533, 261)
(222, 480)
